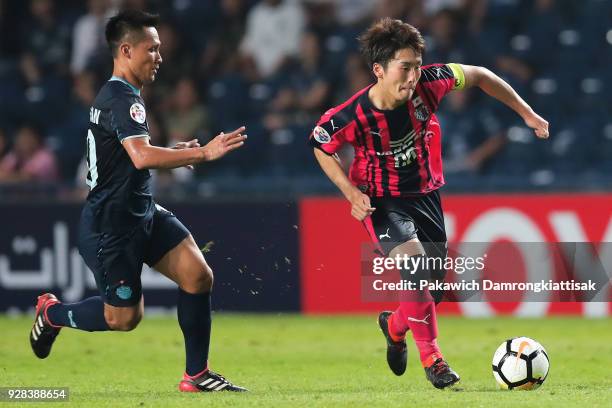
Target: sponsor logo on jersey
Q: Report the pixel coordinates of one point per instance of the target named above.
(321, 135)
(138, 113)
(403, 150)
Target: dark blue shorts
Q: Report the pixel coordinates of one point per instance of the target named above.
(116, 260)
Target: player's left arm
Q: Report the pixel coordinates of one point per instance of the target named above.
(499, 89)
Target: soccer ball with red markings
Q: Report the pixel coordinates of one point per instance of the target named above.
(520, 363)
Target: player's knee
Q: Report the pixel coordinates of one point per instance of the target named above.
(125, 321)
(124, 324)
(204, 279)
(200, 281)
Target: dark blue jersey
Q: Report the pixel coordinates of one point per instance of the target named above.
(120, 194)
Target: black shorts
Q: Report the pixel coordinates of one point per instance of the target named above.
(116, 260)
(400, 219)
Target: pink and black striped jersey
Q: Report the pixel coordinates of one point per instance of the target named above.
(397, 152)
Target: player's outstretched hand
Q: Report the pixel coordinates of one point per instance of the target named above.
(538, 124)
(360, 206)
(187, 145)
(224, 143)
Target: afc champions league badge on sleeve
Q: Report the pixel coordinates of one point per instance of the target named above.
(138, 113)
(321, 135)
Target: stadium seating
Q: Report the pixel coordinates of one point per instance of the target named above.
(565, 49)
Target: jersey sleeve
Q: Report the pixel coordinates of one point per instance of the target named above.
(330, 133)
(440, 79)
(128, 116)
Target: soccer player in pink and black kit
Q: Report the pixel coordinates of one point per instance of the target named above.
(397, 170)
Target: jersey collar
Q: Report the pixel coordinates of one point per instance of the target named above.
(116, 78)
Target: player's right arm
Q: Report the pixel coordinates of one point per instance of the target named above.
(146, 156)
(326, 139)
(360, 203)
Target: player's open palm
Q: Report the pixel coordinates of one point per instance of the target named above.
(538, 124)
(224, 143)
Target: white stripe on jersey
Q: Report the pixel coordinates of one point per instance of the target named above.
(133, 137)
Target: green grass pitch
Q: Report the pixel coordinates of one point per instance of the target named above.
(298, 361)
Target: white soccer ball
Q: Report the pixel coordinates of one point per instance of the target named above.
(520, 363)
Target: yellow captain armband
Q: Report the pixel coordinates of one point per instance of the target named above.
(459, 76)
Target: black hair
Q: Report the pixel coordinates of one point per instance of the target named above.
(380, 42)
(127, 22)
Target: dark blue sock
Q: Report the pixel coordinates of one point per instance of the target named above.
(194, 319)
(85, 315)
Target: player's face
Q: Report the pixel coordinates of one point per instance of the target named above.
(400, 77)
(146, 58)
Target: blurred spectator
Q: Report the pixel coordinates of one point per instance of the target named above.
(194, 19)
(540, 29)
(304, 88)
(165, 179)
(89, 45)
(432, 7)
(37, 91)
(472, 134)
(518, 72)
(41, 93)
(357, 76)
(221, 50)
(403, 10)
(46, 38)
(186, 118)
(273, 32)
(304, 91)
(444, 39)
(29, 160)
(354, 12)
(68, 138)
(177, 62)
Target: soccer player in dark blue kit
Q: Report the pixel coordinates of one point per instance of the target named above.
(121, 225)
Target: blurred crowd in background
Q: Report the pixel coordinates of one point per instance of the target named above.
(277, 65)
